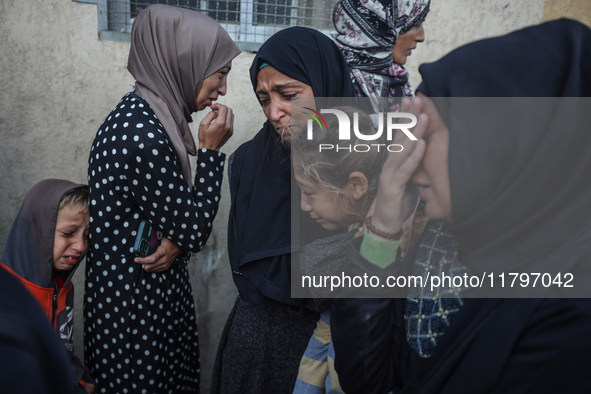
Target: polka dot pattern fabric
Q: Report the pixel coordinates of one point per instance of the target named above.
(140, 328)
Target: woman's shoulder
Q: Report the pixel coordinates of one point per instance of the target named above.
(131, 130)
(133, 109)
(130, 121)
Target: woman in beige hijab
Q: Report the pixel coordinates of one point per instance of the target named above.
(140, 325)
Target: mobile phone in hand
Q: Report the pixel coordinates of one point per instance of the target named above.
(146, 241)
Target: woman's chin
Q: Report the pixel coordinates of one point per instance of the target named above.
(433, 211)
(203, 105)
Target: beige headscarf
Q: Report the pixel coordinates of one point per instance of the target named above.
(172, 51)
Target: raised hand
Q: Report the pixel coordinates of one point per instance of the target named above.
(216, 128)
(397, 199)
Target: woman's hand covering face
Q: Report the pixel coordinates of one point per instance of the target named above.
(397, 198)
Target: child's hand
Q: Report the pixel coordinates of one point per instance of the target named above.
(162, 258)
(216, 128)
(89, 388)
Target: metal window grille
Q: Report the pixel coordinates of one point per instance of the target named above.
(249, 22)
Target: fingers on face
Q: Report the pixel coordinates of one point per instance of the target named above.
(222, 112)
(421, 127)
(409, 166)
(207, 119)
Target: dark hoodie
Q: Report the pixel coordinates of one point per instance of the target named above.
(28, 254)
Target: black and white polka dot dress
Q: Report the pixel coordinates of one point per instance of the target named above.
(140, 328)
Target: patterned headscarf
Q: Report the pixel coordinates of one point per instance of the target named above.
(366, 35)
(172, 51)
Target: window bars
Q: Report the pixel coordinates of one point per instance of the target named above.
(249, 22)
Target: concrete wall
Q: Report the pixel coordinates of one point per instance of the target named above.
(574, 9)
(452, 23)
(58, 81)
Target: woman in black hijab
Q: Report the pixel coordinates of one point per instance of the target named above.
(510, 176)
(267, 331)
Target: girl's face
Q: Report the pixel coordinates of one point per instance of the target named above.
(433, 172)
(71, 238)
(275, 91)
(333, 212)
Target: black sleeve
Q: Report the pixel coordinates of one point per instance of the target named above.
(184, 215)
(512, 346)
(552, 354)
(32, 359)
(368, 335)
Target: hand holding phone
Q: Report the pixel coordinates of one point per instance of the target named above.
(146, 241)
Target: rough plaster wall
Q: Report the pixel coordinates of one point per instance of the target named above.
(574, 9)
(58, 81)
(453, 23)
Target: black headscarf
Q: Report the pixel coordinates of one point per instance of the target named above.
(308, 56)
(519, 167)
(521, 199)
(259, 230)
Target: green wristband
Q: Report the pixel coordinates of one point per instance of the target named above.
(378, 251)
